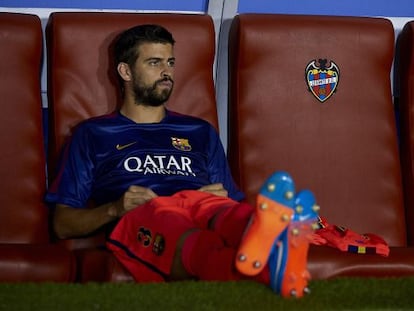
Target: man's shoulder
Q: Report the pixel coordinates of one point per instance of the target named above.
(96, 123)
(99, 120)
(177, 117)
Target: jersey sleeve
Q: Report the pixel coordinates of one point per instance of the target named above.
(218, 167)
(73, 184)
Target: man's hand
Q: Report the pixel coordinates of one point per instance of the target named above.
(133, 197)
(71, 222)
(216, 189)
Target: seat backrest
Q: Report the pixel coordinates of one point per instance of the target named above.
(23, 216)
(404, 74)
(329, 123)
(82, 78)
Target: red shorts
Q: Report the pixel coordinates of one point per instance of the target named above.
(145, 238)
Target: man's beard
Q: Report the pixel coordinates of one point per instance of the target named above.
(149, 96)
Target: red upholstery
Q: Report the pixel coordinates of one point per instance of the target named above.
(82, 82)
(36, 263)
(405, 81)
(25, 251)
(344, 149)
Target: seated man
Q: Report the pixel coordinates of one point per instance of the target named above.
(163, 179)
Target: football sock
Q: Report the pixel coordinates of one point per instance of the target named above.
(205, 256)
(231, 223)
(348, 240)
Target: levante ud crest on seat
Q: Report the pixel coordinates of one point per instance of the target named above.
(322, 78)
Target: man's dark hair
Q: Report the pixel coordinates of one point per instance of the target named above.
(127, 43)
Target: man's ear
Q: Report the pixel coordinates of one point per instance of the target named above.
(124, 71)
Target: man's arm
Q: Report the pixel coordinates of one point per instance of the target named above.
(71, 222)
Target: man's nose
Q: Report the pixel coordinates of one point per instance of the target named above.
(166, 74)
(167, 71)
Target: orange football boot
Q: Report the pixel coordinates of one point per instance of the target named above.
(288, 260)
(274, 210)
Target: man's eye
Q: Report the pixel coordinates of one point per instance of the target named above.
(154, 63)
(171, 63)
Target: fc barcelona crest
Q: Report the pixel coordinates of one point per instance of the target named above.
(181, 144)
(322, 78)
